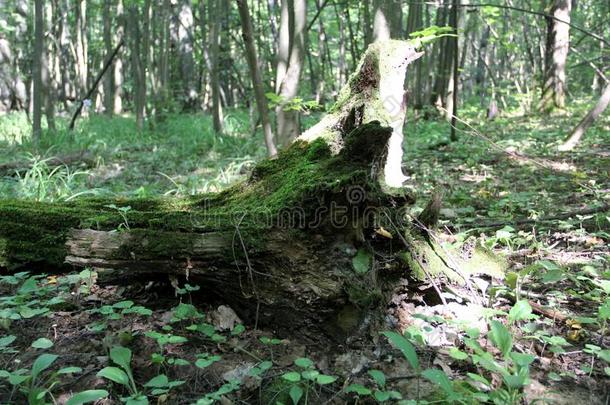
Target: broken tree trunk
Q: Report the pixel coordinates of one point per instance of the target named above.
(311, 241)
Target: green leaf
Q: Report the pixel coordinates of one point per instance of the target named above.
(121, 356)
(7, 340)
(522, 359)
(310, 374)
(553, 276)
(28, 286)
(378, 377)
(440, 378)
(358, 389)
(238, 330)
(139, 400)
(457, 354)
(501, 337)
(362, 261)
(160, 381)
(521, 311)
(86, 397)
(42, 343)
(405, 347)
(292, 376)
(296, 393)
(123, 305)
(206, 361)
(43, 362)
(114, 374)
(323, 379)
(69, 370)
(303, 362)
(381, 396)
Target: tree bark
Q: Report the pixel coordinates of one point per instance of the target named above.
(38, 61)
(109, 79)
(81, 47)
(387, 19)
(291, 54)
(117, 72)
(556, 55)
(294, 245)
(215, 16)
(138, 60)
(185, 49)
(257, 80)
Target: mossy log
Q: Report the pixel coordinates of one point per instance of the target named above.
(297, 245)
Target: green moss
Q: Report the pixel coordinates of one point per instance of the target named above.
(295, 180)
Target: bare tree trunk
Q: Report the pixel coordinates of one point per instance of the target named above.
(137, 64)
(257, 81)
(452, 97)
(117, 73)
(48, 71)
(291, 53)
(185, 49)
(215, 17)
(387, 19)
(556, 55)
(81, 47)
(109, 79)
(37, 94)
(588, 120)
(415, 23)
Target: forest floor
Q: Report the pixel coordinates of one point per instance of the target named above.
(184, 348)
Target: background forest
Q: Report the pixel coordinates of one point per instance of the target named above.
(506, 116)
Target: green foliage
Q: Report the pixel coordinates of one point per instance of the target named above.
(123, 375)
(36, 385)
(362, 261)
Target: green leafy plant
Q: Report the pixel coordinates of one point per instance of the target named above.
(122, 211)
(116, 312)
(34, 383)
(123, 375)
(162, 340)
(380, 394)
(303, 381)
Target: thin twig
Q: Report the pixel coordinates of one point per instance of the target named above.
(249, 267)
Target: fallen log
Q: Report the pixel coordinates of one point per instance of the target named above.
(309, 242)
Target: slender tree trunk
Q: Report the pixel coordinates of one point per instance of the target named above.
(452, 97)
(137, 65)
(368, 22)
(415, 23)
(108, 80)
(556, 55)
(117, 73)
(48, 72)
(215, 17)
(588, 120)
(257, 81)
(185, 49)
(290, 65)
(81, 47)
(37, 95)
(387, 19)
